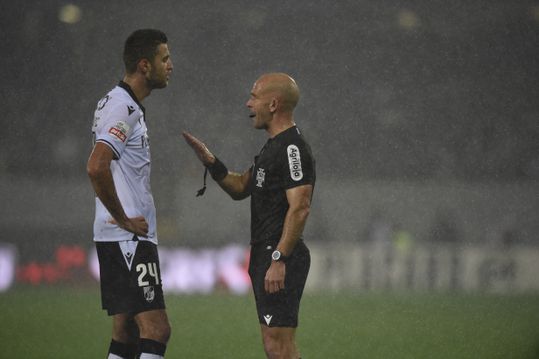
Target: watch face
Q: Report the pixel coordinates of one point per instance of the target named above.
(276, 255)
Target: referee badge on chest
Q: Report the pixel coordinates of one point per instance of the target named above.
(260, 176)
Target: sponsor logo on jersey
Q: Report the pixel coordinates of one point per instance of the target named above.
(260, 176)
(130, 110)
(120, 131)
(149, 293)
(294, 162)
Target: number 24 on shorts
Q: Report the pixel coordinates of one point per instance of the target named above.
(147, 268)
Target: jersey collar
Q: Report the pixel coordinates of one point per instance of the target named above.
(284, 133)
(127, 88)
(281, 135)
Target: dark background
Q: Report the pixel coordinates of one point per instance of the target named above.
(421, 94)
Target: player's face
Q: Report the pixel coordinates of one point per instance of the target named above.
(259, 106)
(161, 68)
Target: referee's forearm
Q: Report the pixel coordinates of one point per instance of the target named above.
(234, 185)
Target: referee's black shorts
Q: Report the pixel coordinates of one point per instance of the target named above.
(130, 289)
(279, 309)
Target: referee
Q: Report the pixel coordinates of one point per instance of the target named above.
(280, 183)
(125, 220)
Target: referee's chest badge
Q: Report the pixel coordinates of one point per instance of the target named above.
(260, 176)
(149, 293)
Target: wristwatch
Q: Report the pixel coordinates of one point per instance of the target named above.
(277, 256)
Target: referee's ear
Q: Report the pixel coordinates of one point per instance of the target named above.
(273, 105)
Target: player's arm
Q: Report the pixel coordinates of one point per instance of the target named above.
(235, 184)
(98, 169)
(299, 201)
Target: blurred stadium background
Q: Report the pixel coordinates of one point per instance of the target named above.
(423, 117)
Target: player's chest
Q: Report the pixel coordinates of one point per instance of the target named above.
(139, 138)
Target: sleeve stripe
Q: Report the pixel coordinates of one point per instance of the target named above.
(116, 153)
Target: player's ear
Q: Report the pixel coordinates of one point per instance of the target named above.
(144, 66)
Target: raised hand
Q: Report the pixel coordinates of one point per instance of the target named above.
(202, 152)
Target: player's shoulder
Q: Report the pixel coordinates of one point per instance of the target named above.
(117, 97)
(118, 104)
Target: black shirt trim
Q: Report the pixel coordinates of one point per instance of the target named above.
(127, 88)
(111, 146)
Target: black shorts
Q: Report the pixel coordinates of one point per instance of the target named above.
(279, 309)
(131, 289)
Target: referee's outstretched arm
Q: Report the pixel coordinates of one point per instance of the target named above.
(235, 184)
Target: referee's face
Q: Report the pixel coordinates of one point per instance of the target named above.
(258, 104)
(161, 68)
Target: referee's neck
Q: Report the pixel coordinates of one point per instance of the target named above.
(280, 124)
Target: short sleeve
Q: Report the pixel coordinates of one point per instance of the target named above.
(115, 126)
(298, 165)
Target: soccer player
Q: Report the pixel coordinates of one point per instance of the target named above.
(125, 224)
(280, 183)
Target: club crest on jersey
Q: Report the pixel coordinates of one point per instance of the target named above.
(260, 177)
(149, 293)
(120, 131)
(294, 162)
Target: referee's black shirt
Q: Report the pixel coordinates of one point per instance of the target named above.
(285, 161)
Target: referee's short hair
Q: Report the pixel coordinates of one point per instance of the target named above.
(142, 44)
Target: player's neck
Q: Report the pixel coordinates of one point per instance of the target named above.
(138, 85)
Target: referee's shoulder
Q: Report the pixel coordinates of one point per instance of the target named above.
(297, 138)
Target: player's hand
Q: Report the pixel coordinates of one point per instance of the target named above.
(274, 280)
(205, 156)
(136, 225)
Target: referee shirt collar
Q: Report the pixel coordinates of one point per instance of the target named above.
(284, 133)
(281, 135)
(127, 88)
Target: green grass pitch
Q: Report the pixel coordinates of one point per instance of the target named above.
(63, 322)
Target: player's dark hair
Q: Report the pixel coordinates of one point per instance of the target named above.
(142, 44)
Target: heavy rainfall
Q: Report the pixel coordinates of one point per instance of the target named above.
(423, 118)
